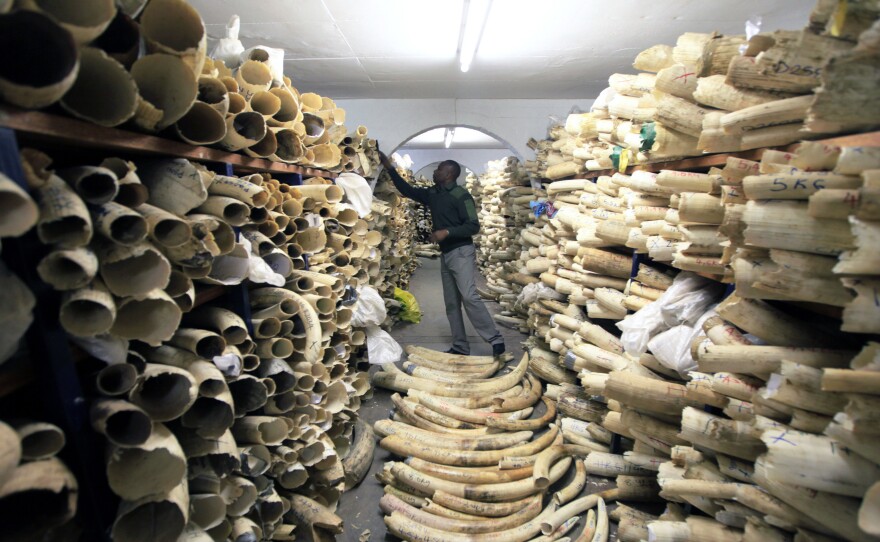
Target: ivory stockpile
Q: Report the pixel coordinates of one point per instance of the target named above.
(396, 220)
(218, 426)
(750, 411)
(747, 402)
(749, 405)
(175, 88)
(424, 222)
(714, 93)
(503, 194)
(32, 476)
(483, 452)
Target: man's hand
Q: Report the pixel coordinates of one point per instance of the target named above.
(439, 235)
(384, 160)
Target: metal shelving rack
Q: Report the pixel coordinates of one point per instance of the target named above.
(51, 359)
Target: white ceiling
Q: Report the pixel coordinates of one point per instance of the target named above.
(462, 138)
(529, 49)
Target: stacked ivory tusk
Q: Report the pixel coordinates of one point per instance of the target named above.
(33, 478)
(705, 95)
(394, 221)
(245, 108)
(483, 458)
(213, 423)
(770, 429)
(423, 221)
(766, 432)
(503, 194)
(427, 250)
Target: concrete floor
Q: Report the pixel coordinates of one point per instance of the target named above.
(359, 508)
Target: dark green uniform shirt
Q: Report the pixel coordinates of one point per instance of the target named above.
(452, 208)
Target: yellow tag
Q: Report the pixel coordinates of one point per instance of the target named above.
(623, 161)
(839, 18)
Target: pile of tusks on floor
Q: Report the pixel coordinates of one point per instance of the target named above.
(483, 456)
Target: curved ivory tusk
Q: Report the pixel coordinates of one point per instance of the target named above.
(574, 488)
(436, 355)
(442, 440)
(123, 423)
(360, 457)
(478, 508)
(400, 382)
(601, 534)
(436, 417)
(447, 376)
(164, 392)
(423, 418)
(484, 492)
(400, 445)
(39, 440)
(467, 475)
(48, 486)
(550, 456)
(438, 510)
(390, 504)
(312, 514)
(530, 394)
(574, 508)
(559, 534)
(408, 498)
(526, 425)
(438, 405)
(404, 527)
(267, 296)
(154, 467)
(452, 364)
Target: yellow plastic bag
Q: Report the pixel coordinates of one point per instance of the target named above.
(411, 311)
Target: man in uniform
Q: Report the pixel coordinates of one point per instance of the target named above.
(454, 215)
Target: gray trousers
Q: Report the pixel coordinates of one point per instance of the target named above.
(458, 269)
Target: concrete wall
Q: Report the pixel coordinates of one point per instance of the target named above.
(393, 122)
(474, 159)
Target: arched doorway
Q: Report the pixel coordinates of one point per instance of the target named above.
(471, 146)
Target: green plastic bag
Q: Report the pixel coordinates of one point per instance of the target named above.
(411, 311)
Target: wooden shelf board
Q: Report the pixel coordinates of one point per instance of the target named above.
(208, 294)
(78, 133)
(867, 139)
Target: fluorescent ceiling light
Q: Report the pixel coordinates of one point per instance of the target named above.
(474, 22)
(450, 133)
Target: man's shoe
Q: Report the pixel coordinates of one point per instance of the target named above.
(497, 349)
(455, 352)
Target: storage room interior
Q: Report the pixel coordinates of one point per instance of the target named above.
(439, 271)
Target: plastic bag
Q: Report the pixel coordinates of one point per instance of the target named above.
(688, 304)
(554, 122)
(604, 98)
(648, 134)
(370, 308)
(411, 311)
(531, 293)
(357, 192)
(381, 347)
(229, 49)
(672, 348)
(108, 348)
(258, 269)
(684, 302)
(753, 27)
